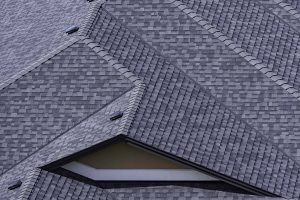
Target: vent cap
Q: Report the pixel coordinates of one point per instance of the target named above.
(15, 185)
(116, 115)
(72, 29)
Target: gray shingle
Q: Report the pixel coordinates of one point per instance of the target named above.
(53, 97)
(239, 85)
(52, 186)
(178, 116)
(31, 29)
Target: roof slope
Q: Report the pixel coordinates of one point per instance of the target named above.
(229, 77)
(46, 185)
(178, 192)
(53, 97)
(178, 116)
(31, 29)
(93, 130)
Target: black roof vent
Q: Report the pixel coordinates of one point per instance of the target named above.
(90, 0)
(15, 185)
(116, 116)
(72, 29)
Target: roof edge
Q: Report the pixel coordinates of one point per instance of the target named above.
(90, 17)
(289, 8)
(36, 64)
(258, 64)
(29, 184)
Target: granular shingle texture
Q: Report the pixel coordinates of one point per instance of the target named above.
(53, 97)
(95, 129)
(52, 186)
(256, 30)
(30, 29)
(246, 91)
(179, 192)
(178, 116)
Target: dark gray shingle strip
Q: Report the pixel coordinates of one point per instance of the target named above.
(31, 29)
(258, 64)
(51, 98)
(179, 192)
(171, 96)
(276, 8)
(246, 91)
(258, 31)
(292, 6)
(46, 185)
(97, 128)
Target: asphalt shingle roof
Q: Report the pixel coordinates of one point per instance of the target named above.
(178, 116)
(229, 77)
(178, 192)
(53, 97)
(31, 29)
(183, 90)
(46, 185)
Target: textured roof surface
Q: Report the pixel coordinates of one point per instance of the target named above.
(46, 185)
(178, 192)
(213, 83)
(178, 116)
(229, 77)
(93, 130)
(30, 29)
(53, 97)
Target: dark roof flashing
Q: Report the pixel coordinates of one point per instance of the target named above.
(15, 185)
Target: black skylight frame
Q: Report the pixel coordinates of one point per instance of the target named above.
(55, 166)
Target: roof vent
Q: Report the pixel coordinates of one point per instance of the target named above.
(116, 116)
(15, 185)
(90, 0)
(72, 29)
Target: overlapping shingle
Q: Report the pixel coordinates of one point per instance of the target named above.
(178, 192)
(47, 185)
(53, 97)
(246, 91)
(31, 29)
(178, 116)
(95, 129)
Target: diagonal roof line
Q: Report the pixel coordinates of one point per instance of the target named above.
(36, 64)
(289, 8)
(267, 140)
(169, 61)
(90, 17)
(138, 93)
(139, 88)
(28, 184)
(254, 61)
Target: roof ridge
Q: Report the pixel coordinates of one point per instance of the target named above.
(254, 61)
(138, 92)
(36, 64)
(29, 183)
(289, 8)
(90, 17)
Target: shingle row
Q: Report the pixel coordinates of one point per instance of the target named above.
(256, 30)
(52, 186)
(178, 116)
(246, 91)
(52, 98)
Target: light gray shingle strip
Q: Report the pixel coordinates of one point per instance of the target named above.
(171, 96)
(283, 14)
(53, 97)
(29, 183)
(31, 29)
(53, 186)
(257, 63)
(289, 8)
(95, 129)
(258, 31)
(179, 192)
